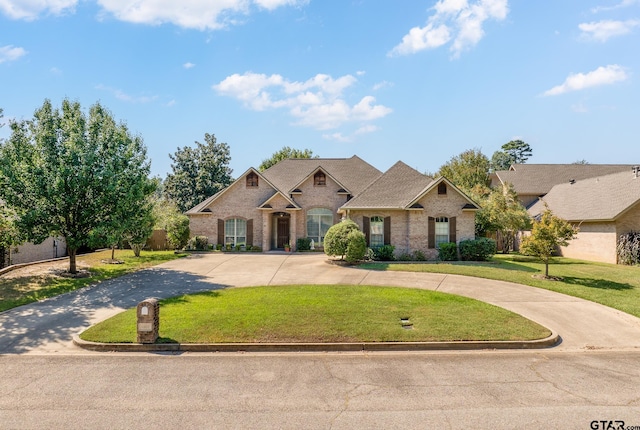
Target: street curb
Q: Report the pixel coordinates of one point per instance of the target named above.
(548, 342)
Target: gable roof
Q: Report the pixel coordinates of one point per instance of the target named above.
(200, 207)
(394, 189)
(538, 179)
(353, 174)
(603, 198)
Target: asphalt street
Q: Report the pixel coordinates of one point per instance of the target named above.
(46, 382)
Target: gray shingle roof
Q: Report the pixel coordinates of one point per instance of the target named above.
(352, 173)
(395, 189)
(538, 179)
(593, 199)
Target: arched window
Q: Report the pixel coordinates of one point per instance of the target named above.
(318, 222)
(252, 180)
(376, 232)
(235, 232)
(442, 230)
(319, 179)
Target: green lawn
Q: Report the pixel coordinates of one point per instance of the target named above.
(612, 285)
(323, 313)
(17, 291)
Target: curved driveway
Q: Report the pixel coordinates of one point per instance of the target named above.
(48, 326)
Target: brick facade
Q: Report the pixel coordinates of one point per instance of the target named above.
(267, 208)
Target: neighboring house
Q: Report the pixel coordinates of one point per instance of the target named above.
(298, 198)
(29, 252)
(532, 181)
(602, 207)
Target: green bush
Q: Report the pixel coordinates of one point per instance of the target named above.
(178, 231)
(304, 244)
(448, 252)
(419, 255)
(384, 253)
(356, 247)
(477, 250)
(629, 248)
(219, 247)
(405, 256)
(255, 249)
(198, 243)
(336, 240)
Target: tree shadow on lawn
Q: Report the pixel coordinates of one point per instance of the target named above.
(600, 284)
(58, 319)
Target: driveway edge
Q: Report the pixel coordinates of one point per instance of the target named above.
(552, 340)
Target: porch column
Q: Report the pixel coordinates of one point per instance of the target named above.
(266, 231)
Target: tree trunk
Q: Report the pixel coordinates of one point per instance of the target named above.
(546, 268)
(72, 261)
(113, 252)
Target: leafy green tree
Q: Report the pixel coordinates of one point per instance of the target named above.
(283, 154)
(63, 172)
(336, 241)
(198, 173)
(503, 213)
(513, 152)
(467, 170)
(547, 234)
(177, 228)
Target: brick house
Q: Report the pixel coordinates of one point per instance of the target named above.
(602, 200)
(298, 198)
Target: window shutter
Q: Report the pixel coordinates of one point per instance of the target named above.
(431, 232)
(249, 233)
(220, 231)
(367, 229)
(452, 229)
(387, 230)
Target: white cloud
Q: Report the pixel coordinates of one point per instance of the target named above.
(458, 20)
(601, 76)
(622, 4)
(188, 65)
(32, 9)
(121, 95)
(603, 30)
(337, 137)
(369, 128)
(197, 14)
(317, 102)
(11, 53)
(381, 85)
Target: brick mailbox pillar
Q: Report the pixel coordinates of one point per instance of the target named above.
(148, 320)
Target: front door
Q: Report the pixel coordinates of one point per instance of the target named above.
(282, 234)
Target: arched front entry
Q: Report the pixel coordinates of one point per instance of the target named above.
(280, 230)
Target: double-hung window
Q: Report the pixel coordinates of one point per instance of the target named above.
(442, 230)
(235, 232)
(376, 232)
(318, 222)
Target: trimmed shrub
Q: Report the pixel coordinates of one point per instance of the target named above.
(198, 243)
(405, 256)
(480, 249)
(219, 247)
(448, 252)
(419, 255)
(384, 253)
(304, 244)
(356, 247)
(628, 248)
(256, 249)
(336, 240)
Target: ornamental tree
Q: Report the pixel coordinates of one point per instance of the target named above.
(547, 234)
(336, 241)
(64, 173)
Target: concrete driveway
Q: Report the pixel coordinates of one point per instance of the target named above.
(48, 326)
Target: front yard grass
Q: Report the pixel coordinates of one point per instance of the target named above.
(612, 285)
(44, 283)
(322, 313)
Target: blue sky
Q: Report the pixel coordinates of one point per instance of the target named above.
(410, 80)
